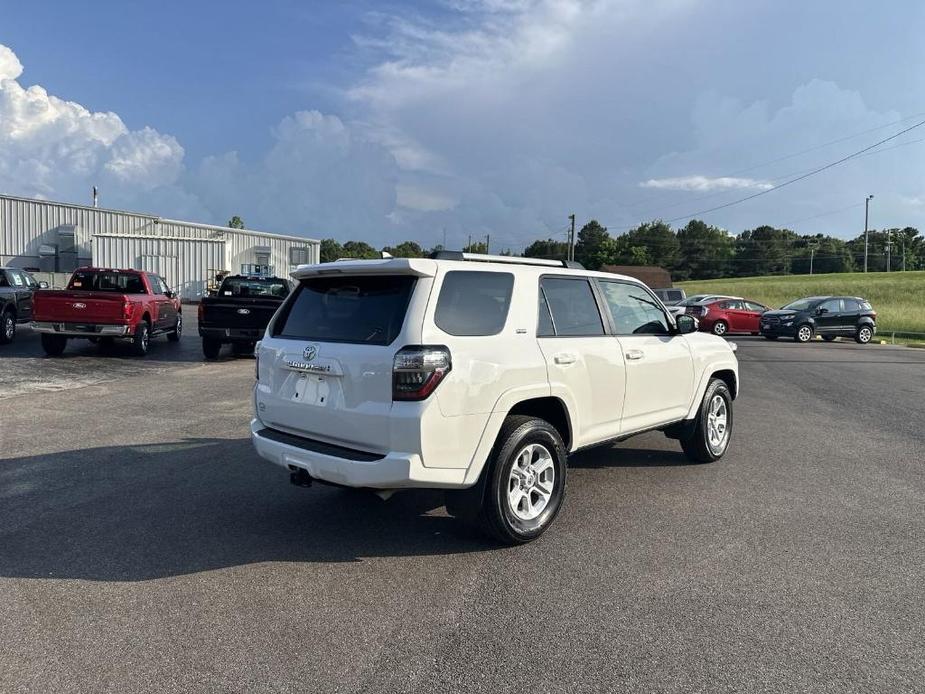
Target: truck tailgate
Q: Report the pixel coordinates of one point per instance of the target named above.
(75, 306)
(238, 313)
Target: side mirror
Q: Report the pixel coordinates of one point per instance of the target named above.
(686, 324)
(169, 294)
(43, 285)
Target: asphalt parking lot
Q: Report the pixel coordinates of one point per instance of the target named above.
(145, 548)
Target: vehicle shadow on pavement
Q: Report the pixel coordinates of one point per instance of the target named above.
(142, 512)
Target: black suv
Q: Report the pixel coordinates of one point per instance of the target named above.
(16, 289)
(826, 316)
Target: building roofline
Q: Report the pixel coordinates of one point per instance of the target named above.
(157, 219)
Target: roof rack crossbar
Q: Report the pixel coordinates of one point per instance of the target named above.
(510, 259)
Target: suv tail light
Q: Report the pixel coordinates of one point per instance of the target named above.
(417, 371)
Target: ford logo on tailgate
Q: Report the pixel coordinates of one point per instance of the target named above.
(244, 311)
(79, 305)
(310, 352)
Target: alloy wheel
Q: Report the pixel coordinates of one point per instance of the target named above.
(805, 333)
(531, 482)
(864, 334)
(9, 327)
(717, 424)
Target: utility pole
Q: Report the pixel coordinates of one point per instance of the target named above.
(889, 239)
(469, 245)
(487, 243)
(571, 238)
(812, 252)
(866, 204)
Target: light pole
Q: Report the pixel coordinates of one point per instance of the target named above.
(866, 205)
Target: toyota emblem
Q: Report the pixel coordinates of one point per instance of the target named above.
(310, 352)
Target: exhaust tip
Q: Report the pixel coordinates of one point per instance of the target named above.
(299, 477)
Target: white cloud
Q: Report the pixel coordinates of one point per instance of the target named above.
(59, 149)
(703, 184)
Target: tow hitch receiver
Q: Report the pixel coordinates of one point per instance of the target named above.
(300, 478)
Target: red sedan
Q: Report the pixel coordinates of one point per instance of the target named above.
(722, 316)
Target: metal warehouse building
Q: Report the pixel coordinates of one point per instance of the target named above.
(55, 237)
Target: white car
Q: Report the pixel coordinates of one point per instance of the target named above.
(694, 300)
(479, 375)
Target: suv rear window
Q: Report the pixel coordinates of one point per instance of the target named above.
(121, 282)
(367, 309)
(474, 303)
(263, 286)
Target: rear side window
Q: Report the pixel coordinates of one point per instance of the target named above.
(367, 309)
(474, 303)
(573, 308)
(851, 305)
(865, 306)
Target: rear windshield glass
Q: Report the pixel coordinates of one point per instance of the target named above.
(474, 303)
(242, 286)
(121, 282)
(347, 309)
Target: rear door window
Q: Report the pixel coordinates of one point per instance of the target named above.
(364, 309)
(573, 307)
(474, 303)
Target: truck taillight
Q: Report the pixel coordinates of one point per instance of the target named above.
(417, 371)
(127, 310)
(199, 312)
(257, 362)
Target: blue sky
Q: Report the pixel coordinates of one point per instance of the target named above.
(392, 121)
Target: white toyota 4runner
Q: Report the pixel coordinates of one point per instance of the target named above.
(479, 375)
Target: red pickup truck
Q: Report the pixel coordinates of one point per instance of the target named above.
(101, 304)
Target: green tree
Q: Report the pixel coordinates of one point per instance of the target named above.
(659, 241)
(406, 249)
(236, 222)
(547, 248)
(764, 251)
(360, 249)
(476, 247)
(331, 250)
(591, 245)
(704, 252)
(827, 254)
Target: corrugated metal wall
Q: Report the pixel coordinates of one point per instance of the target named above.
(27, 224)
(186, 263)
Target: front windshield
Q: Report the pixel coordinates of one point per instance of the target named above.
(800, 305)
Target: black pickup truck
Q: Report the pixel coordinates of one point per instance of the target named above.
(16, 290)
(238, 312)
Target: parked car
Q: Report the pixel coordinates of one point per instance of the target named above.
(479, 375)
(724, 316)
(695, 300)
(238, 312)
(17, 288)
(826, 316)
(102, 305)
(671, 295)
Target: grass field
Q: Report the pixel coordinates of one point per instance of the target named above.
(898, 297)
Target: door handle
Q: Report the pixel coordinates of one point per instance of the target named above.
(564, 358)
(635, 354)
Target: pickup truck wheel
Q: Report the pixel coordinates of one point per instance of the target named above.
(177, 332)
(141, 339)
(712, 429)
(7, 328)
(863, 335)
(211, 348)
(53, 344)
(526, 480)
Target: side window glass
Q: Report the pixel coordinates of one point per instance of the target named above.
(831, 306)
(573, 308)
(4, 282)
(18, 281)
(164, 286)
(633, 309)
(752, 306)
(474, 302)
(544, 327)
(851, 305)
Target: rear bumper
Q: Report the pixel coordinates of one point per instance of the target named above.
(85, 329)
(391, 471)
(231, 334)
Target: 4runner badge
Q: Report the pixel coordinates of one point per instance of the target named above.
(310, 352)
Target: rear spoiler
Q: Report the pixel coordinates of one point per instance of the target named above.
(418, 267)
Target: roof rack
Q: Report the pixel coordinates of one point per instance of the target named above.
(510, 259)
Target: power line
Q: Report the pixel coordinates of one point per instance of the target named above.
(791, 181)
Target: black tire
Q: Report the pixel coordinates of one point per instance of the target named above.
(829, 338)
(864, 335)
(720, 328)
(242, 349)
(488, 502)
(7, 327)
(697, 445)
(141, 339)
(53, 344)
(771, 337)
(803, 334)
(211, 348)
(177, 332)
